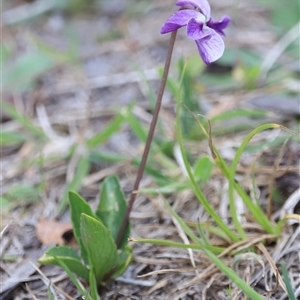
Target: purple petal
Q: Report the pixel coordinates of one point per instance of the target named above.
(203, 5)
(178, 20)
(218, 26)
(211, 46)
(194, 29)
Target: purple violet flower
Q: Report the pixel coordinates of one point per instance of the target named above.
(206, 32)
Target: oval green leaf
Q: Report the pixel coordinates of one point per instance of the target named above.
(112, 207)
(79, 206)
(100, 246)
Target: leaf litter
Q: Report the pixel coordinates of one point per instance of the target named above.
(71, 103)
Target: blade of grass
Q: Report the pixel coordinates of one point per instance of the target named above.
(211, 229)
(233, 276)
(202, 234)
(233, 213)
(241, 112)
(93, 285)
(183, 225)
(49, 293)
(136, 126)
(173, 187)
(11, 138)
(287, 282)
(188, 231)
(113, 126)
(194, 184)
(197, 191)
(175, 244)
(23, 120)
(254, 209)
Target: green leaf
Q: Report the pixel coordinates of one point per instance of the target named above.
(287, 282)
(124, 259)
(100, 245)
(203, 169)
(79, 206)
(69, 257)
(112, 207)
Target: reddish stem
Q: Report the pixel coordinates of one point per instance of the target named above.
(149, 139)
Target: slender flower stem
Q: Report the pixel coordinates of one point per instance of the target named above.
(149, 138)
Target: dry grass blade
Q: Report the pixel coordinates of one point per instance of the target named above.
(206, 273)
(253, 241)
(50, 283)
(167, 271)
(144, 283)
(263, 249)
(5, 228)
(30, 292)
(160, 284)
(293, 217)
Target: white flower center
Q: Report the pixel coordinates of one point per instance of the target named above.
(201, 18)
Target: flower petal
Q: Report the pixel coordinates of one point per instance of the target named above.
(203, 5)
(218, 26)
(211, 46)
(194, 29)
(178, 20)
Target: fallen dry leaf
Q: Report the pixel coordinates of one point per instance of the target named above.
(51, 232)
